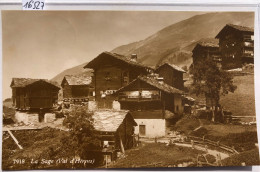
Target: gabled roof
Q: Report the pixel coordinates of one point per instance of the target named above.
(154, 83)
(235, 27)
(213, 44)
(95, 62)
(77, 80)
(241, 28)
(207, 43)
(177, 68)
(23, 82)
(109, 120)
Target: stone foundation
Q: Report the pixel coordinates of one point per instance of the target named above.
(92, 105)
(33, 118)
(26, 118)
(116, 105)
(49, 117)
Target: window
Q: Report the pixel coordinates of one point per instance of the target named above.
(142, 131)
(177, 108)
(125, 78)
(107, 76)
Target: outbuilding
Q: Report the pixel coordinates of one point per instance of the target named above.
(28, 94)
(77, 88)
(151, 102)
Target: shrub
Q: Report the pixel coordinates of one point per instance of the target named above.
(249, 158)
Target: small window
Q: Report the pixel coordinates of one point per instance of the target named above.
(107, 76)
(142, 131)
(125, 78)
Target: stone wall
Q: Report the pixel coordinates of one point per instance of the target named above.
(153, 127)
(33, 118)
(27, 118)
(116, 105)
(49, 117)
(92, 105)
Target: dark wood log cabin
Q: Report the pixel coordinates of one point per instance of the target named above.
(151, 102)
(236, 45)
(77, 87)
(149, 93)
(206, 50)
(115, 128)
(33, 93)
(172, 75)
(111, 72)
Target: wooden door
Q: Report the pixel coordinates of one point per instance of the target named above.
(142, 130)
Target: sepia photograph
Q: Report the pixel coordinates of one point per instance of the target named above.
(128, 89)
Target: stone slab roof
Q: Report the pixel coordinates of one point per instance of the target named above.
(108, 120)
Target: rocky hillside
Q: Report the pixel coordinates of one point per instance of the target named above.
(175, 42)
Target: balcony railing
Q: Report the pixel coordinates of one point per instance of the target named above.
(139, 98)
(248, 44)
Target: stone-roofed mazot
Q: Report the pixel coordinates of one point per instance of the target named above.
(23, 82)
(78, 87)
(27, 93)
(109, 120)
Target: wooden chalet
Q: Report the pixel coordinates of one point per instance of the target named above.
(236, 45)
(150, 101)
(111, 72)
(206, 50)
(77, 88)
(172, 75)
(149, 93)
(116, 128)
(30, 93)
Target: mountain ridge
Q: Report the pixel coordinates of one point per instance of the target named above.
(175, 42)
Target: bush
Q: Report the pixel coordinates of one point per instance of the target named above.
(250, 158)
(241, 141)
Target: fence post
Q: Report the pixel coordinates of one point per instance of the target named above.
(192, 144)
(206, 148)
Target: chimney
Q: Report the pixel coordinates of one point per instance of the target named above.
(134, 57)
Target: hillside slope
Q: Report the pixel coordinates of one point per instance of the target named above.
(170, 43)
(175, 42)
(72, 71)
(244, 96)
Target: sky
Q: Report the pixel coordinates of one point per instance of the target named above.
(44, 43)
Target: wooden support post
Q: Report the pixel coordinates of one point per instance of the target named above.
(122, 146)
(15, 140)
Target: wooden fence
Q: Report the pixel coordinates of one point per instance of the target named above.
(218, 145)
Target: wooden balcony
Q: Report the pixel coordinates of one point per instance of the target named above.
(138, 98)
(248, 54)
(248, 44)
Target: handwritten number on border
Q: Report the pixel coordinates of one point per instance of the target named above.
(33, 4)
